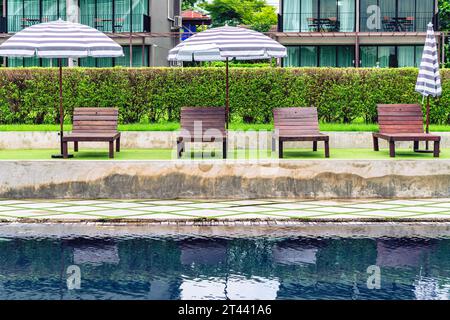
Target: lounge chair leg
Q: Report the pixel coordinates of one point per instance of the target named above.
(327, 148)
(65, 151)
(376, 146)
(118, 145)
(436, 150)
(392, 149)
(314, 146)
(224, 148)
(280, 149)
(75, 146)
(416, 146)
(111, 149)
(180, 148)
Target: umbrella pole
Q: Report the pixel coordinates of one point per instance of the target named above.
(428, 120)
(61, 113)
(227, 102)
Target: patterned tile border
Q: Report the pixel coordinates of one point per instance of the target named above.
(232, 210)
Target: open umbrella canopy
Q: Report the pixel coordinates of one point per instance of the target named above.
(60, 39)
(225, 43)
(218, 44)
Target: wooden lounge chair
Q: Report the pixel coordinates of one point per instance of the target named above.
(298, 124)
(402, 122)
(94, 124)
(210, 120)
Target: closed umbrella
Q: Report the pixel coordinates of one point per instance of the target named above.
(429, 81)
(60, 39)
(225, 43)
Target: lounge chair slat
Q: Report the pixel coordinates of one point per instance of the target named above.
(402, 122)
(212, 121)
(94, 124)
(298, 124)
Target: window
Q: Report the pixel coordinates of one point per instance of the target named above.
(398, 15)
(25, 13)
(320, 56)
(319, 15)
(391, 56)
(114, 15)
(34, 62)
(140, 59)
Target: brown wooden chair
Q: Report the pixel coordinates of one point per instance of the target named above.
(202, 124)
(402, 122)
(298, 124)
(94, 124)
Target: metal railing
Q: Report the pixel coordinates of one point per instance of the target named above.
(397, 22)
(117, 22)
(14, 23)
(346, 22)
(325, 22)
(104, 23)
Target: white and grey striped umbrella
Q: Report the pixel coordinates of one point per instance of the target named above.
(60, 39)
(429, 80)
(218, 44)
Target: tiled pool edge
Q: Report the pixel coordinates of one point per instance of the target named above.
(227, 222)
(232, 229)
(225, 179)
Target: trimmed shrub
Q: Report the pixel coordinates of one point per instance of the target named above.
(156, 94)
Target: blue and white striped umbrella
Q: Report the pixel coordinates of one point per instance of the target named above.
(218, 44)
(60, 39)
(225, 43)
(429, 80)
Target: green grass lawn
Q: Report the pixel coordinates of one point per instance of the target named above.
(172, 126)
(167, 154)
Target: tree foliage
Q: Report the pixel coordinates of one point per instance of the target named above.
(444, 20)
(256, 13)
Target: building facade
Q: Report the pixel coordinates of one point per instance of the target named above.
(355, 33)
(143, 27)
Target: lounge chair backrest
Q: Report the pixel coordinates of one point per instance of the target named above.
(296, 121)
(210, 118)
(95, 120)
(400, 118)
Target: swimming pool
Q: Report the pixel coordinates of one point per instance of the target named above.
(213, 262)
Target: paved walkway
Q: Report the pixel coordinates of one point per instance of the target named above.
(179, 210)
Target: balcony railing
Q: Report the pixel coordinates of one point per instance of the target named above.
(15, 23)
(325, 22)
(345, 22)
(104, 23)
(118, 22)
(401, 22)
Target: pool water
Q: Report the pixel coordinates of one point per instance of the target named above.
(219, 267)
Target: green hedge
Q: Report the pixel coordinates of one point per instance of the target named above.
(148, 94)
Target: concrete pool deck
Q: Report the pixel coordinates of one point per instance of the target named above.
(225, 211)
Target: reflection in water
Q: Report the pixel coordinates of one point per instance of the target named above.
(224, 268)
(235, 287)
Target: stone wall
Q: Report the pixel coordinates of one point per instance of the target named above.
(225, 179)
(166, 140)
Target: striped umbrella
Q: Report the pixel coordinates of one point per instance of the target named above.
(429, 81)
(224, 43)
(60, 39)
